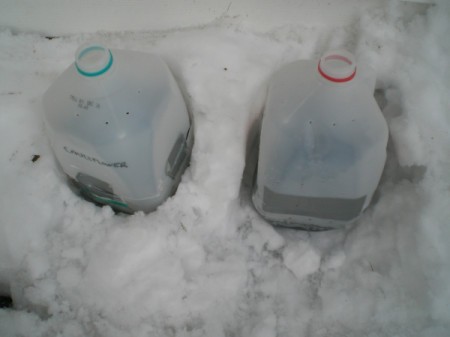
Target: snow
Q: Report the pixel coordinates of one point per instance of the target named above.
(205, 263)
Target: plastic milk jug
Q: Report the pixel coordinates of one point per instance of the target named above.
(118, 126)
(322, 144)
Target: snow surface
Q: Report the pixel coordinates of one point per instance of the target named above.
(205, 263)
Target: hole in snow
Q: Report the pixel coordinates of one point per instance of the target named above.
(6, 302)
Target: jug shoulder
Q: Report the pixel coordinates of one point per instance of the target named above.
(131, 97)
(295, 76)
(288, 88)
(135, 65)
(128, 68)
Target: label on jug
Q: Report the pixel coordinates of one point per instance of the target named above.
(121, 164)
(100, 192)
(340, 209)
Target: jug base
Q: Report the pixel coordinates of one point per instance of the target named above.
(304, 227)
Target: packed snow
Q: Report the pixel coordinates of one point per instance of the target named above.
(205, 263)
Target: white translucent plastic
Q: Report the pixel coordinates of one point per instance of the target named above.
(322, 146)
(117, 116)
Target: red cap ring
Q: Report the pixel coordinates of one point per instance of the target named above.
(337, 66)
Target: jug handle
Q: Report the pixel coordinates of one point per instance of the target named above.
(366, 74)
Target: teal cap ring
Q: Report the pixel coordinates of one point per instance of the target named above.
(93, 60)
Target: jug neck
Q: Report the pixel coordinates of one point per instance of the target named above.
(337, 66)
(92, 60)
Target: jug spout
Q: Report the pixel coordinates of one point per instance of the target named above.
(337, 66)
(340, 66)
